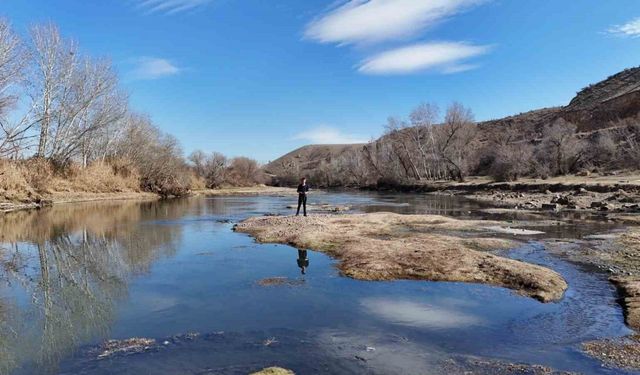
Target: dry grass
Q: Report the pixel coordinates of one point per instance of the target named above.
(197, 183)
(99, 177)
(13, 183)
(385, 246)
(34, 179)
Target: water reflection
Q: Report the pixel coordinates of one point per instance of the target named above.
(303, 261)
(446, 314)
(64, 268)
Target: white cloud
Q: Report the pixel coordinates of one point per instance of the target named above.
(380, 20)
(153, 68)
(630, 29)
(447, 57)
(327, 135)
(171, 6)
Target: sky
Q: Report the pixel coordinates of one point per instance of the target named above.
(263, 77)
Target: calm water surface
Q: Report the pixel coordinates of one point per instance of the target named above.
(75, 275)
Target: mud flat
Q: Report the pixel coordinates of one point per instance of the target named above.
(386, 246)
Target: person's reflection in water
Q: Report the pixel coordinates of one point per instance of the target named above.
(303, 261)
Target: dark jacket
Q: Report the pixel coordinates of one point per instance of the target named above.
(303, 189)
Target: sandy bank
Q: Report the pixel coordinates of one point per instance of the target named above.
(386, 246)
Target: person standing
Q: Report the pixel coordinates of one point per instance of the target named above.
(303, 188)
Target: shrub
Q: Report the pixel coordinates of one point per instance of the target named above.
(38, 173)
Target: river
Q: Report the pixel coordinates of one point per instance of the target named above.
(73, 276)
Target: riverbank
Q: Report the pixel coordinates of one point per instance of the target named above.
(386, 246)
(56, 198)
(611, 193)
(246, 191)
(617, 254)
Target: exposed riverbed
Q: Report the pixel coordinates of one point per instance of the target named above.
(174, 275)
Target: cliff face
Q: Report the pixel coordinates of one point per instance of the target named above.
(616, 98)
(594, 108)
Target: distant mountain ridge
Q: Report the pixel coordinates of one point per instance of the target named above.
(597, 106)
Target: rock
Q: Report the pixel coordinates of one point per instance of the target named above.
(584, 173)
(562, 200)
(629, 289)
(125, 347)
(550, 207)
(620, 353)
(628, 199)
(274, 371)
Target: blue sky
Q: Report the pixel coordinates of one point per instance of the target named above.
(261, 77)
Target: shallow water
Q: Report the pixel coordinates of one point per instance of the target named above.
(73, 276)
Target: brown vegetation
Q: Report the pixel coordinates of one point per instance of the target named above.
(386, 246)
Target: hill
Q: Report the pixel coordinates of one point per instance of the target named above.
(596, 107)
(304, 160)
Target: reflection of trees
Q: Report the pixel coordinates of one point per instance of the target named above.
(65, 268)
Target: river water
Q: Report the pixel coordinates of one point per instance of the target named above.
(75, 275)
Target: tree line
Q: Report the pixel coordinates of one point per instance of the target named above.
(64, 108)
(428, 147)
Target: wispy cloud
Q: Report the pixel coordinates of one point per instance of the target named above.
(380, 20)
(147, 68)
(171, 6)
(446, 57)
(629, 29)
(328, 135)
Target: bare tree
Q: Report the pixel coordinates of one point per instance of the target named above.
(560, 149)
(456, 141)
(243, 171)
(423, 119)
(216, 170)
(629, 143)
(396, 132)
(198, 160)
(212, 168)
(13, 59)
(55, 60)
